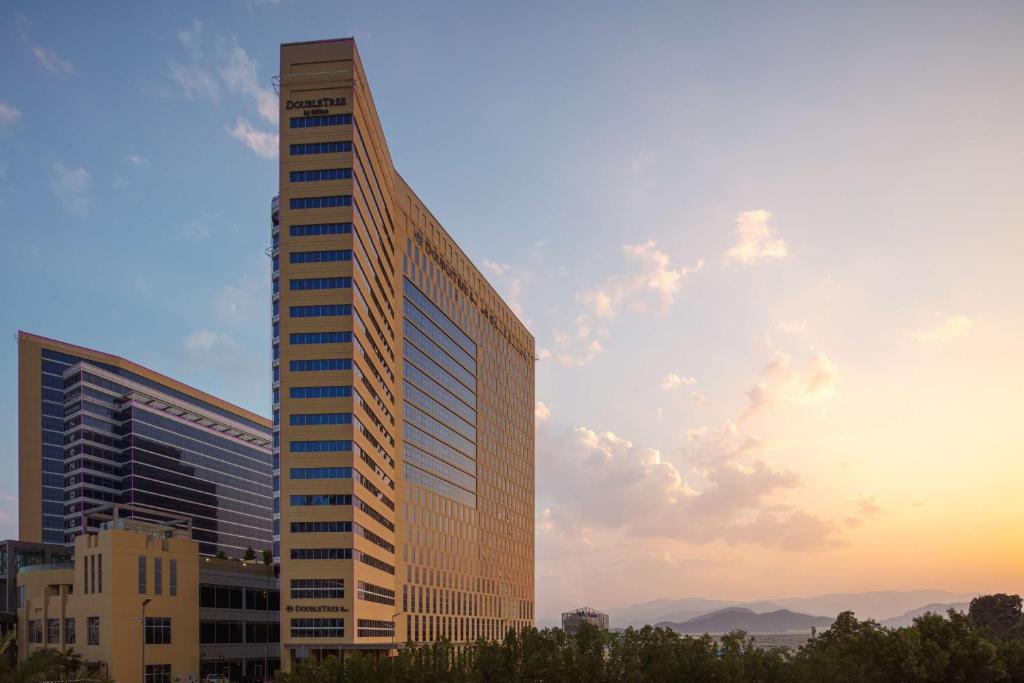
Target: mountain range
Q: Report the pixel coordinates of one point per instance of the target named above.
(891, 608)
(732, 618)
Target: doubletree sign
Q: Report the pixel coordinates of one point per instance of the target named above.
(316, 107)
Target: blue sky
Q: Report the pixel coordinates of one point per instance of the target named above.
(770, 254)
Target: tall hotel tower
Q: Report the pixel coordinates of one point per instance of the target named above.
(403, 394)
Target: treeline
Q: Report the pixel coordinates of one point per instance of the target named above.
(986, 645)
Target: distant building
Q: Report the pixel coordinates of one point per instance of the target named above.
(584, 615)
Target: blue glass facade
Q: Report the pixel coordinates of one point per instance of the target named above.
(134, 443)
(440, 400)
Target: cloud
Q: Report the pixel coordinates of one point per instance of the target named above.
(672, 380)
(238, 71)
(792, 326)
(262, 142)
(51, 60)
(229, 67)
(245, 301)
(195, 81)
(495, 268)
(950, 329)
(608, 483)
(756, 241)
(137, 160)
(652, 278)
(697, 398)
(207, 349)
(71, 187)
(541, 411)
(8, 114)
(780, 382)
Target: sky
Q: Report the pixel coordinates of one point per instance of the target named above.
(770, 253)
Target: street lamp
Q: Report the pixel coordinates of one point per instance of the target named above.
(144, 603)
(394, 628)
(266, 630)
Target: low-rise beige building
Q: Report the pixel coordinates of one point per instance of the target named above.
(130, 603)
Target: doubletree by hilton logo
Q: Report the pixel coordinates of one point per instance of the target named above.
(315, 104)
(315, 608)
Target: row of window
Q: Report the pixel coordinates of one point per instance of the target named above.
(376, 628)
(309, 589)
(320, 419)
(236, 597)
(328, 202)
(321, 473)
(158, 576)
(321, 553)
(299, 285)
(320, 174)
(158, 630)
(320, 365)
(322, 499)
(35, 631)
(322, 527)
(372, 593)
(321, 311)
(320, 338)
(317, 628)
(322, 256)
(320, 392)
(335, 446)
(317, 121)
(317, 229)
(333, 147)
(234, 632)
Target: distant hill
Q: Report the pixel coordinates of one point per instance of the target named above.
(732, 618)
(880, 605)
(907, 618)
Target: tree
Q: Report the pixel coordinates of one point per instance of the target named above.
(999, 612)
(221, 555)
(250, 554)
(268, 558)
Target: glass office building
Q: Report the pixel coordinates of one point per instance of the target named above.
(97, 431)
(403, 394)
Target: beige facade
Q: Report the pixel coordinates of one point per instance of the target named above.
(96, 607)
(406, 438)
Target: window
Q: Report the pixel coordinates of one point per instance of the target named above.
(376, 628)
(316, 121)
(320, 148)
(378, 594)
(22, 596)
(310, 589)
(69, 631)
(326, 256)
(320, 392)
(142, 574)
(158, 630)
(329, 202)
(53, 631)
(93, 625)
(99, 573)
(322, 499)
(321, 473)
(35, 631)
(323, 311)
(174, 578)
(329, 527)
(320, 338)
(321, 553)
(158, 576)
(316, 229)
(320, 174)
(300, 419)
(341, 446)
(320, 283)
(318, 628)
(320, 365)
(158, 673)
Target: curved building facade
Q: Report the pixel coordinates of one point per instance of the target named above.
(403, 394)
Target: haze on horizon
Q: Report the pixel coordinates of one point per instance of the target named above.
(771, 257)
